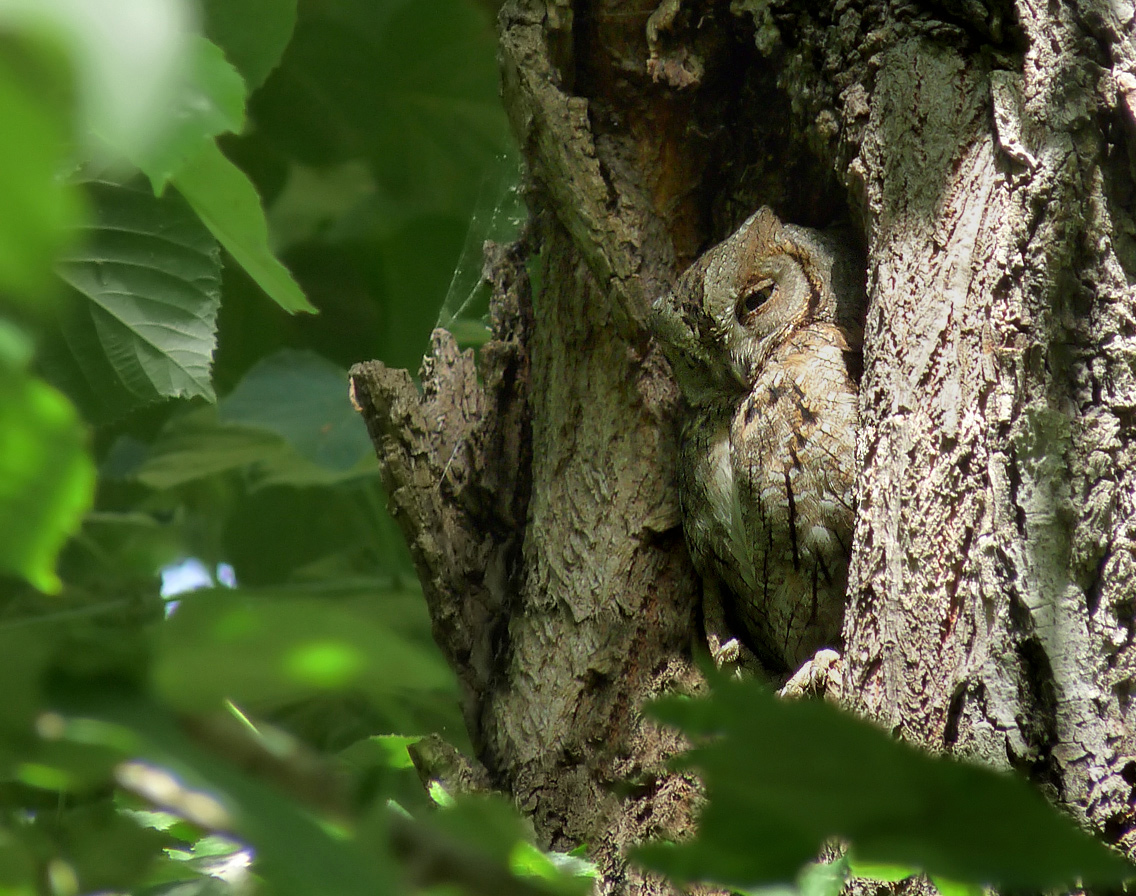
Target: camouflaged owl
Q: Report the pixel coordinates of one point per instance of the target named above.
(764, 335)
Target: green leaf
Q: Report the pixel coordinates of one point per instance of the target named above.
(227, 202)
(265, 647)
(253, 33)
(385, 750)
(106, 851)
(490, 828)
(948, 887)
(823, 878)
(889, 874)
(46, 477)
(40, 210)
(303, 398)
(295, 854)
(194, 446)
(19, 868)
(131, 57)
(140, 323)
(412, 87)
(784, 776)
(211, 102)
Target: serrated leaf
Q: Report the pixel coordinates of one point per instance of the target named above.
(46, 477)
(302, 398)
(140, 324)
(227, 202)
(784, 776)
(253, 33)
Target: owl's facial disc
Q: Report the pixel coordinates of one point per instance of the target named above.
(759, 310)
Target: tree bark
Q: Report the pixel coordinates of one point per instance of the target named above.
(986, 155)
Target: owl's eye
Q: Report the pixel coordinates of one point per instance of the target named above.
(754, 299)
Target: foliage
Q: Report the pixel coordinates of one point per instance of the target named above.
(783, 777)
(180, 186)
(176, 180)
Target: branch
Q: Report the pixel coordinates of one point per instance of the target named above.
(603, 212)
(454, 460)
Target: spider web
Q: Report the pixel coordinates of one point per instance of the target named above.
(498, 215)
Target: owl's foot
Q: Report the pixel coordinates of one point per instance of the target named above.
(732, 656)
(819, 677)
(728, 653)
(724, 653)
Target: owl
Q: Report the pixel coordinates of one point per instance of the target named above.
(764, 335)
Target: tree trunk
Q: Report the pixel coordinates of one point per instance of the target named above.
(986, 155)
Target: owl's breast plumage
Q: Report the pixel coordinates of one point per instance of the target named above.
(767, 489)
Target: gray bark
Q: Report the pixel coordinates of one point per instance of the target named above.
(986, 155)
(991, 604)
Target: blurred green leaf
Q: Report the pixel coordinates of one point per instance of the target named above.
(227, 202)
(491, 829)
(409, 86)
(264, 647)
(296, 855)
(16, 347)
(140, 324)
(195, 446)
(954, 888)
(888, 874)
(40, 209)
(823, 878)
(27, 656)
(211, 102)
(106, 850)
(132, 58)
(418, 263)
(303, 398)
(19, 870)
(46, 477)
(783, 776)
(336, 540)
(253, 33)
(387, 750)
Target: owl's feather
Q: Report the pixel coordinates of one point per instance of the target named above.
(763, 336)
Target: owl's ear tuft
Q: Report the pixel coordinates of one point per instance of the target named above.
(766, 225)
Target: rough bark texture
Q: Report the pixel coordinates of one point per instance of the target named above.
(992, 597)
(985, 152)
